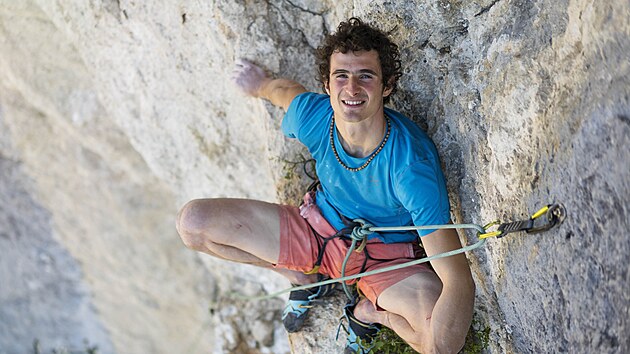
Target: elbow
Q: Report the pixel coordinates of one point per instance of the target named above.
(460, 279)
(470, 283)
(464, 279)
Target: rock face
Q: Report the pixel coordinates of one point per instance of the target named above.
(115, 113)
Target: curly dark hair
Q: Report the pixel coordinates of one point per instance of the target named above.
(354, 35)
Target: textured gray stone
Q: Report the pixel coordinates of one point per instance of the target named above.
(114, 113)
(43, 299)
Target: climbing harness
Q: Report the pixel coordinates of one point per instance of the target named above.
(554, 215)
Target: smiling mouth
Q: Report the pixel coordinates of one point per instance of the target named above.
(352, 103)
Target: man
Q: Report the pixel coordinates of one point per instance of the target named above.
(373, 164)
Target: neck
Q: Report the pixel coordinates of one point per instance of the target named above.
(362, 138)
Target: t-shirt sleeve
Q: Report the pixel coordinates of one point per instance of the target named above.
(421, 188)
(302, 110)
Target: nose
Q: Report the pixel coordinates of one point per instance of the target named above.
(352, 87)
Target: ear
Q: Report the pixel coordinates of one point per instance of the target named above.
(327, 87)
(387, 90)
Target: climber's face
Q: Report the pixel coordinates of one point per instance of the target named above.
(355, 86)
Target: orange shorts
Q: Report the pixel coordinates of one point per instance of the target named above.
(300, 246)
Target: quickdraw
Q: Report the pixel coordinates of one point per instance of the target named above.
(554, 215)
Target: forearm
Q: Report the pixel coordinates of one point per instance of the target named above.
(280, 92)
(254, 81)
(452, 314)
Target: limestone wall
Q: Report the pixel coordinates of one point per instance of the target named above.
(113, 113)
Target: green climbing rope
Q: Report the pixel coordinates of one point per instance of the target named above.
(555, 214)
(344, 278)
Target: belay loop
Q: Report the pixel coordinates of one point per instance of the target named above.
(360, 233)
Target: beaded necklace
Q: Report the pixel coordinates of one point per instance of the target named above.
(355, 169)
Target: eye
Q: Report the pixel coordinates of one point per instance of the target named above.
(366, 77)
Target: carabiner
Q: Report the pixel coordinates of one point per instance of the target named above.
(555, 215)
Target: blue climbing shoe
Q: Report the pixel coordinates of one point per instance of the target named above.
(300, 302)
(360, 334)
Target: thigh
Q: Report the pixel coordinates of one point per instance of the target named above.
(249, 225)
(413, 298)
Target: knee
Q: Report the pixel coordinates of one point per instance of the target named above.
(190, 224)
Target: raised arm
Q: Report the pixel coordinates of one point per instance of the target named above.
(452, 314)
(254, 81)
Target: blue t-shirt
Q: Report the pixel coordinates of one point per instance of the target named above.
(403, 185)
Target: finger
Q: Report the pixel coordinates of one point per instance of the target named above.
(237, 77)
(237, 80)
(239, 70)
(242, 62)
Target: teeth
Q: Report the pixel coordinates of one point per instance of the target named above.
(353, 103)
